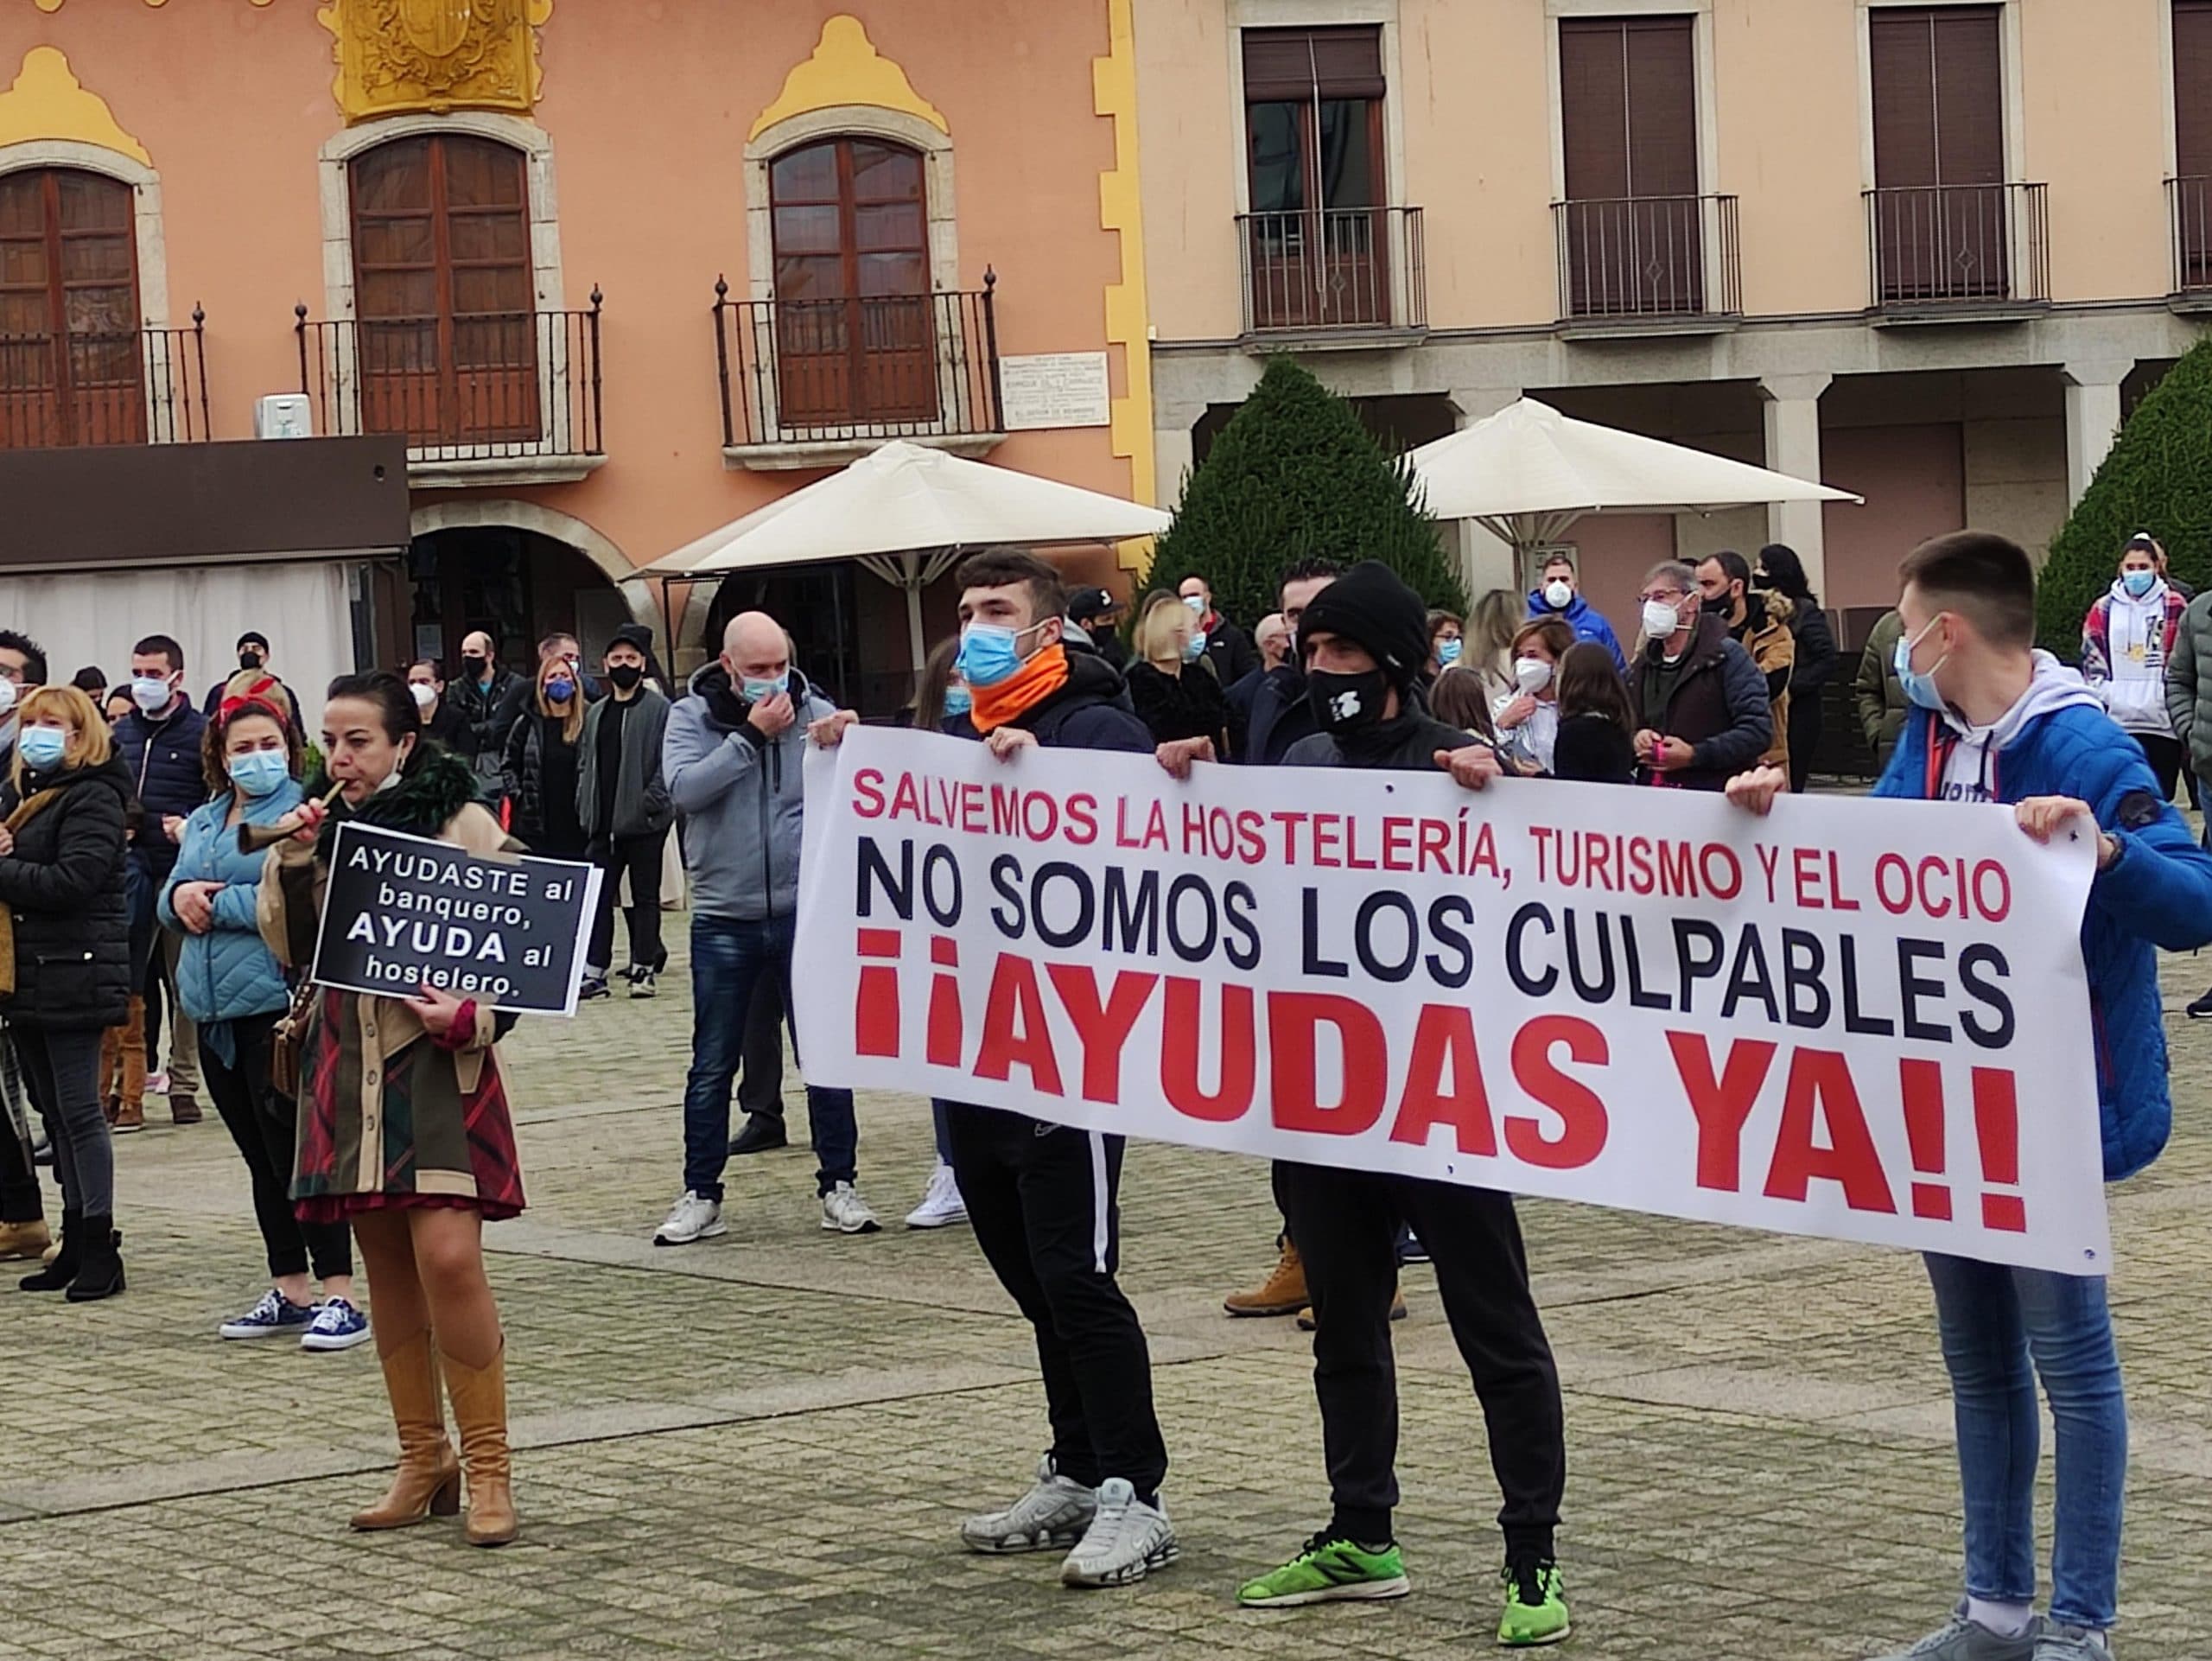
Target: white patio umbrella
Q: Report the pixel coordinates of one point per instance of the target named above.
(905, 513)
(1529, 472)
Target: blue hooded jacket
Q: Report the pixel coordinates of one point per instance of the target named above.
(227, 972)
(1587, 625)
(2156, 894)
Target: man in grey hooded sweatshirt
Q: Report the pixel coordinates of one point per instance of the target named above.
(733, 759)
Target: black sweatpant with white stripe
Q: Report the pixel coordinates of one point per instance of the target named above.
(1346, 1226)
(1042, 1199)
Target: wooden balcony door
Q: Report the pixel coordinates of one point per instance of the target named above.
(856, 340)
(1319, 233)
(445, 300)
(1941, 223)
(1634, 230)
(2192, 186)
(72, 362)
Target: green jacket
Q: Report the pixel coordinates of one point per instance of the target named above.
(1881, 700)
(2189, 687)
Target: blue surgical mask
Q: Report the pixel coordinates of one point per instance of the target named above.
(560, 689)
(41, 747)
(152, 694)
(958, 701)
(987, 654)
(2139, 582)
(1195, 647)
(1447, 653)
(754, 690)
(1196, 604)
(1919, 688)
(259, 772)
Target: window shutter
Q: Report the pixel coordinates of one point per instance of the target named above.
(1969, 98)
(1901, 59)
(1662, 107)
(1593, 108)
(1285, 63)
(2192, 87)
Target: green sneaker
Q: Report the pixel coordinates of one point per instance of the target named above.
(1327, 1570)
(1535, 1606)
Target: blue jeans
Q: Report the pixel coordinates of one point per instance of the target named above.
(1996, 1322)
(728, 957)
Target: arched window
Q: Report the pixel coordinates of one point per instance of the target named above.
(444, 301)
(72, 368)
(855, 340)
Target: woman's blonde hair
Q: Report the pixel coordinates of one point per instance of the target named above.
(1164, 615)
(572, 719)
(90, 746)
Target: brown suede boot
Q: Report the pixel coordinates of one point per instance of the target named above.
(427, 1481)
(26, 1241)
(1284, 1292)
(131, 1114)
(479, 1413)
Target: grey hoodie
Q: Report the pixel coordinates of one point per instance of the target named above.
(742, 797)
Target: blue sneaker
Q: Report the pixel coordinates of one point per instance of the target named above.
(275, 1314)
(337, 1326)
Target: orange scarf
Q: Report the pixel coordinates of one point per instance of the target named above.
(1024, 690)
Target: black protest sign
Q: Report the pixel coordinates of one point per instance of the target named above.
(401, 912)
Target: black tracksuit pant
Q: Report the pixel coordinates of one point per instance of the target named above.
(1042, 1200)
(1346, 1225)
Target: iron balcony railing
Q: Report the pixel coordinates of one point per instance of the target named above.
(1333, 269)
(2189, 215)
(1647, 257)
(799, 372)
(488, 387)
(1965, 245)
(134, 387)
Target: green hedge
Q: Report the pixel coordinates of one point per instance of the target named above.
(2158, 478)
(1294, 475)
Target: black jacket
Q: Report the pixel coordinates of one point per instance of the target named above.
(1718, 705)
(64, 882)
(1590, 749)
(1091, 712)
(1280, 717)
(1816, 653)
(485, 710)
(1187, 704)
(162, 761)
(1231, 651)
(1408, 743)
(450, 726)
(541, 769)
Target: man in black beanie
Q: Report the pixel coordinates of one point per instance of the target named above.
(1364, 639)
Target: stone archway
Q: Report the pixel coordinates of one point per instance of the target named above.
(588, 540)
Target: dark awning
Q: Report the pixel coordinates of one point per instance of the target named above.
(249, 501)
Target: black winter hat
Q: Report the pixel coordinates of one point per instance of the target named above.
(636, 634)
(1369, 606)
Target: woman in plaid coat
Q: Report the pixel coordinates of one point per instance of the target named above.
(403, 1125)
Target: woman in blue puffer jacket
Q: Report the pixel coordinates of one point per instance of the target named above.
(232, 986)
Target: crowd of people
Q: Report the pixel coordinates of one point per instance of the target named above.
(163, 860)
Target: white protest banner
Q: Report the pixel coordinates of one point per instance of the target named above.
(1859, 1019)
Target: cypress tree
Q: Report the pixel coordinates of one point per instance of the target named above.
(2158, 478)
(1294, 475)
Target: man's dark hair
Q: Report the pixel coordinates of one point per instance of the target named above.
(1733, 566)
(34, 655)
(1557, 556)
(995, 568)
(162, 645)
(435, 665)
(1305, 572)
(1986, 578)
(546, 647)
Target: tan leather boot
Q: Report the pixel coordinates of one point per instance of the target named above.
(131, 1114)
(1283, 1292)
(24, 1241)
(479, 1413)
(427, 1481)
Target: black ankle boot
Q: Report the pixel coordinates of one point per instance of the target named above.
(99, 1274)
(63, 1269)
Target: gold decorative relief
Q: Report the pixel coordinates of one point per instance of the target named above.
(845, 68)
(395, 56)
(48, 102)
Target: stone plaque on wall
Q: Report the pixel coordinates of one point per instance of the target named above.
(1054, 389)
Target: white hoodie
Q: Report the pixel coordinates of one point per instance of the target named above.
(2136, 630)
(1971, 772)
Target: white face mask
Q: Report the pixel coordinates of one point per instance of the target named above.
(1558, 594)
(1531, 674)
(7, 696)
(151, 695)
(425, 695)
(1661, 618)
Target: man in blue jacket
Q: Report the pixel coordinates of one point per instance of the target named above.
(1998, 721)
(1558, 594)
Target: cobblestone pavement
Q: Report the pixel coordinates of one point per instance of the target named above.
(762, 1445)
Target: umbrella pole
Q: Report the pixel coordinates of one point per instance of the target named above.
(914, 648)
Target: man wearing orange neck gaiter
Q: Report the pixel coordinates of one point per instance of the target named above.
(1044, 1199)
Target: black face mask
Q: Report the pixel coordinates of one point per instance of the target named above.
(472, 663)
(625, 677)
(251, 660)
(1723, 607)
(1346, 704)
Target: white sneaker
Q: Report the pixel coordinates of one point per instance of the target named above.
(1051, 1517)
(157, 1083)
(941, 1201)
(843, 1212)
(690, 1219)
(1126, 1540)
